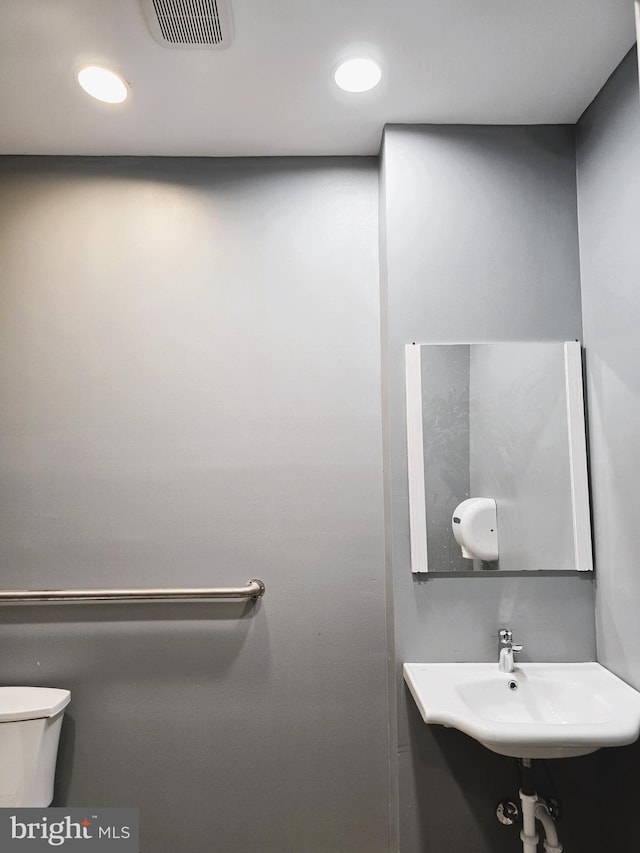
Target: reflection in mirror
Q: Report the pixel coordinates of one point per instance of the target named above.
(502, 424)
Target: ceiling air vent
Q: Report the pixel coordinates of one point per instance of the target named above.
(189, 23)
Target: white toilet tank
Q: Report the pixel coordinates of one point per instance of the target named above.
(30, 723)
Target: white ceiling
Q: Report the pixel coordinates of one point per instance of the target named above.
(271, 93)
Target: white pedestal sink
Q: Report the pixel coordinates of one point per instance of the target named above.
(541, 710)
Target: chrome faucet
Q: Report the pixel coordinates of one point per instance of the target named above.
(507, 648)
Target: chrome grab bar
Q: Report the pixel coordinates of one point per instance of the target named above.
(253, 590)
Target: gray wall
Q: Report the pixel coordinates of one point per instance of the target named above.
(608, 156)
(608, 146)
(479, 243)
(190, 396)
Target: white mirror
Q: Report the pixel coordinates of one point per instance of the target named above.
(502, 423)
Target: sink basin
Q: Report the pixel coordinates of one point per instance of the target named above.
(541, 710)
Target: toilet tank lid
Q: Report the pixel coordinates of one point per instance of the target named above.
(31, 703)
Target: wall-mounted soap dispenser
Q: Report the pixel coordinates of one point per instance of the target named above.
(475, 527)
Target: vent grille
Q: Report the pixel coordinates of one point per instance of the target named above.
(189, 23)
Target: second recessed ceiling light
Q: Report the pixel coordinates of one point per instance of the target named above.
(102, 84)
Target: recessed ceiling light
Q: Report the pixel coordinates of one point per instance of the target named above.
(357, 75)
(103, 84)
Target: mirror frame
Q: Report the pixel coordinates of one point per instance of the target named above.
(581, 517)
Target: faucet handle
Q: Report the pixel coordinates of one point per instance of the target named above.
(506, 639)
(505, 636)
